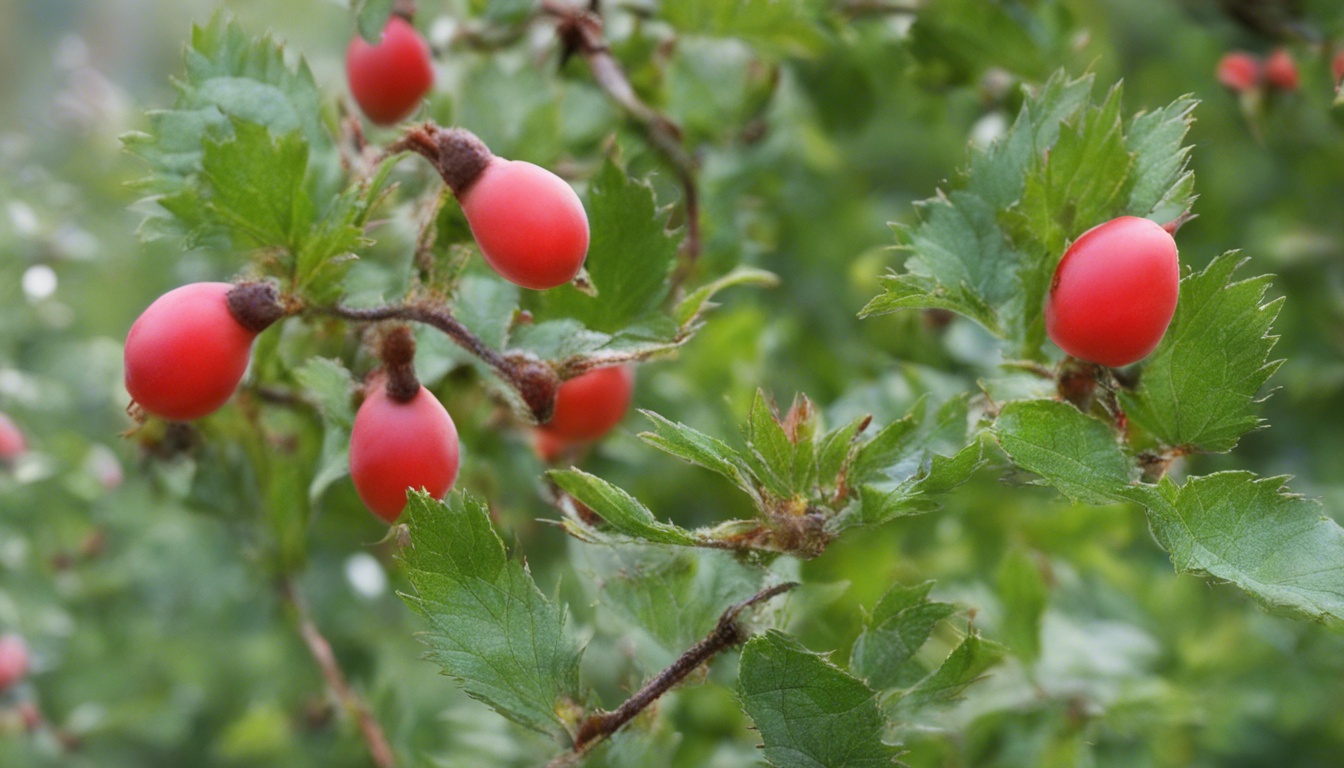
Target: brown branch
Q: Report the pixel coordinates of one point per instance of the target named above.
(726, 634)
(580, 30)
(320, 649)
(535, 381)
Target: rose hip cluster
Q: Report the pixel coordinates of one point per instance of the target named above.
(1244, 72)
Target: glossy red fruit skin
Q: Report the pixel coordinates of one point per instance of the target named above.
(1281, 71)
(399, 446)
(1114, 292)
(1239, 71)
(389, 79)
(186, 353)
(1337, 67)
(12, 444)
(13, 661)
(529, 223)
(587, 407)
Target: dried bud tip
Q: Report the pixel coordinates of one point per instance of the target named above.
(537, 383)
(457, 154)
(255, 305)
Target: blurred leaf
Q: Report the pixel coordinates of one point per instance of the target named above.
(629, 259)
(1198, 389)
(788, 27)
(969, 35)
(1075, 453)
(491, 629)
(906, 464)
(673, 596)
(1024, 596)
(1252, 532)
(809, 712)
(329, 384)
(689, 308)
(967, 663)
(884, 653)
(371, 17)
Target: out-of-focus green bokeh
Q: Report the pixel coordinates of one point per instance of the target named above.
(157, 640)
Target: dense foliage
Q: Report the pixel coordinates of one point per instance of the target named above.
(864, 512)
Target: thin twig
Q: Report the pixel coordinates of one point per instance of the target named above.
(432, 316)
(379, 749)
(581, 31)
(726, 634)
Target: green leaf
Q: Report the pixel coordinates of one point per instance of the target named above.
(491, 629)
(774, 452)
(371, 17)
(689, 308)
(884, 653)
(1252, 532)
(784, 27)
(1198, 389)
(1074, 452)
(619, 509)
(810, 713)
(329, 384)
(906, 465)
(986, 247)
(230, 75)
(967, 663)
(674, 597)
(1023, 595)
(629, 259)
(967, 36)
(701, 450)
(1163, 186)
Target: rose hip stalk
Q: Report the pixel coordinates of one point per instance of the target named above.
(1114, 292)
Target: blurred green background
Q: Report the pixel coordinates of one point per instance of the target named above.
(158, 642)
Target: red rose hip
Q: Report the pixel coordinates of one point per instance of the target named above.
(587, 407)
(13, 661)
(1281, 71)
(1337, 67)
(1239, 71)
(389, 79)
(530, 225)
(1114, 292)
(187, 352)
(396, 446)
(12, 444)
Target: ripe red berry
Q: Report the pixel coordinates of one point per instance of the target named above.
(12, 444)
(389, 79)
(1114, 292)
(13, 661)
(1337, 67)
(1281, 71)
(186, 353)
(399, 446)
(589, 406)
(529, 223)
(1239, 71)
